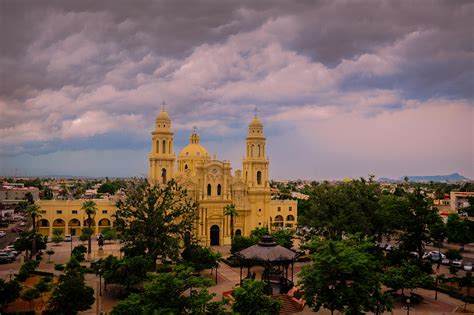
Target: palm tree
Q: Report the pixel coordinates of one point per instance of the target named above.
(90, 208)
(34, 212)
(232, 212)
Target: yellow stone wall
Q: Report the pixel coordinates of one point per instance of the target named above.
(68, 216)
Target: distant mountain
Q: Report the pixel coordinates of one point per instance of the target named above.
(455, 177)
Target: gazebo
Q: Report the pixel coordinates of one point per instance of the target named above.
(269, 255)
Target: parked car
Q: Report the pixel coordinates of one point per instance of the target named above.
(468, 266)
(445, 261)
(68, 238)
(456, 263)
(2, 233)
(434, 256)
(413, 254)
(16, 230)
(10, 249)
(6, 257)
(22, 223)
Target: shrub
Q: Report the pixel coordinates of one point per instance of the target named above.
(59, 267)
(242, 242)
(453, 254)
(79, 252)
(26, 269)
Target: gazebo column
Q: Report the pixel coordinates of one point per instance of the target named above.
(240, 273)
(292, 265)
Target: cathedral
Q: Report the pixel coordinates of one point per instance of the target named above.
(213, 185)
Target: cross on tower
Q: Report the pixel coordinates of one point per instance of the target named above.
(194, 129)
(255, 111)
(163, 104)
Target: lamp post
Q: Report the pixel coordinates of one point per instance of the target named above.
(331, 287)
(408, 306)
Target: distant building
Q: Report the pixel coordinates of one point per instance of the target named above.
(66, 215)
(459, 199)
(11, 194)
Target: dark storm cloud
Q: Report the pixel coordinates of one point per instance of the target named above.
(75, 74)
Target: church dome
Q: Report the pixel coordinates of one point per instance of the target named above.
(194, 149)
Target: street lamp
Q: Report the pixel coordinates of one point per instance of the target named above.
(408, 306)
(331, 287)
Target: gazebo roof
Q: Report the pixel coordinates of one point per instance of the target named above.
(267, 251)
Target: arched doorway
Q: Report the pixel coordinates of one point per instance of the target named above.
(214, 235)
(238, 232)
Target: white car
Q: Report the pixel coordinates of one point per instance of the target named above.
(3, 233)
(445, 261)
(456, 263)
(68, 238)
(468, 266)
(22, 223)
(434, 256)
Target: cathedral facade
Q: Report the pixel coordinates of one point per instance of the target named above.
(212, 184)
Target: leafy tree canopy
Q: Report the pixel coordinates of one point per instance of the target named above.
(153, 220)
(344, 276)
(177, 292)
(250, 299)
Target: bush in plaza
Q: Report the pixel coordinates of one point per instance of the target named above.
(242, 242)
(79, 252)
(453, 254)
(26, 269)
(200, 257)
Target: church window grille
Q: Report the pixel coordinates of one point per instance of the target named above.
(209, 189)
(219, 188)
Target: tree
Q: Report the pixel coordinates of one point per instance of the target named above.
(407, 276)
(453, 254)
(129, 271)
(200, 257)
(25, 242)
(178, 292)
(49, 252)
(231, 211)
(250, 299)
(79, 252)
(34, 212)
(48, 193)
(109, 233)
(347, 208)
(9, 291)
(344, 276)
(283, 238)
(57, 236)
(86, 233)
(30, 295)
(419, 219)
(153, 220)
(459, 231)
(90, 209)
(71, 295)
(110, 187)
(242, 242)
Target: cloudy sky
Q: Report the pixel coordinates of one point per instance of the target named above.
(344, 88)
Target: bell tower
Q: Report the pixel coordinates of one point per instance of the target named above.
(255, 165)
(162, 155)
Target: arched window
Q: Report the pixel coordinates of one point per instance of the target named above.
(219, 189)
(209, 189)
(169, 147)
(157, 146)
(251, 150)
(238, 232)
(259, 178)
(290, 218)
(258, 147)
(185, 166)
(163, 175)
(164, 146)
(278, 218)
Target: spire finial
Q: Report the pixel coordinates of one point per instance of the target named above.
(194, 129)
(163, 104)
(255, 111)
